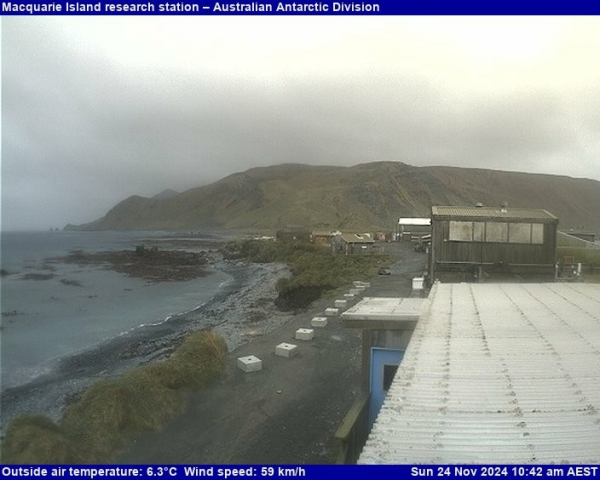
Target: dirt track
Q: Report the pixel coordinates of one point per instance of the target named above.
(289, 411)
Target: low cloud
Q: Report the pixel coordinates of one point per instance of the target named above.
(83, 128)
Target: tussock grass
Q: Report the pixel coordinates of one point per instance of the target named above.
(314, 269)
(199, 361)
(32, 439)
(112, 410)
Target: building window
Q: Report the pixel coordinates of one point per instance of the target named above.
(496, 232)
(389, 372)
(537, 233)
(478, 231)
(466, 231)
(519, 233)
(461, 231)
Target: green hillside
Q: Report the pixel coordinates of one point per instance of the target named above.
(369, 195)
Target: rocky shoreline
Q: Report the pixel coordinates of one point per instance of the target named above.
(243, 310)
(150, 264)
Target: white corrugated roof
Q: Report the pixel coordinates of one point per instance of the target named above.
(414, 221)
(497, 373)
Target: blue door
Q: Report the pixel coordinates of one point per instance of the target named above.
(384, 363)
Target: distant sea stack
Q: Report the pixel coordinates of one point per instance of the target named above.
(366, 196)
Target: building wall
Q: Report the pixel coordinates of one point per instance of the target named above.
(406, 231)
(392, 339)
(396, 339)
(502, 248)
(357, 248)
(321, 239)
(567, 239)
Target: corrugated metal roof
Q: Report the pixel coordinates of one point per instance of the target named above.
(493, 212)
(356, 238)
(497, 373)
(566, 239)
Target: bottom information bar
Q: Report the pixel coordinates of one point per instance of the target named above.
(316, 472)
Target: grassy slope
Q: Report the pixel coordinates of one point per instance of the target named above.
(371, 195)
(314, 269)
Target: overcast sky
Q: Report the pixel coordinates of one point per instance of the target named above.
(97, 109)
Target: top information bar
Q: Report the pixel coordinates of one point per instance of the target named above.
(297, 7)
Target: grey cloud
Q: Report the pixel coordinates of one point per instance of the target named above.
(81, 132)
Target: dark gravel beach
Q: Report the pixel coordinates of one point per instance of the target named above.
(289, 411)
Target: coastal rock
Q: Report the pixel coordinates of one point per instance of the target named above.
(150, 264)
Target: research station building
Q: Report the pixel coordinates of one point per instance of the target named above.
(492, 243)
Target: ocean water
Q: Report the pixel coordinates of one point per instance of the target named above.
(45, 321)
